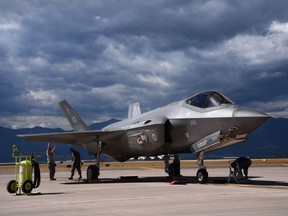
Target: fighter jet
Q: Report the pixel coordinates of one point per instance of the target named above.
(204, 122)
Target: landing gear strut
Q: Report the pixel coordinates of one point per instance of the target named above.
(202, 174)
(173, 169)
(93, 171)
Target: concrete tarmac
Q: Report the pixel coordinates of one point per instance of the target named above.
(266, 193)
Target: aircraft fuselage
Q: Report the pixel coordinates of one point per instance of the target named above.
(182, 128)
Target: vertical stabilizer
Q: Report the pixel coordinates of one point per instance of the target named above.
(74, 119)
(134, 110)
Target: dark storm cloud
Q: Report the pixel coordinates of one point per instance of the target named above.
(103, 55)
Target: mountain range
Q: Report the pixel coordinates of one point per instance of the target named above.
(270, 140)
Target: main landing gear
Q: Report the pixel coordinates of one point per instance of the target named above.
(93, 171)
(202, 174)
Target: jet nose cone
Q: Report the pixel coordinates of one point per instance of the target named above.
(248, 119)
(246, 112)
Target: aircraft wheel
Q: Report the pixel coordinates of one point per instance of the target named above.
(27, 186)
(202, 176)
(92, 172)
(12, 186)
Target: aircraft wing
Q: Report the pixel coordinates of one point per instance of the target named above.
(76, 138)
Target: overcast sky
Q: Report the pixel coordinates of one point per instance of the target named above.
(103, 55)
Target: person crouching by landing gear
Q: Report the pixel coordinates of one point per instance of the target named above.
(242, 163)
(76, 164)
(50, 161)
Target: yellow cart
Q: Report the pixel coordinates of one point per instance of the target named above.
(24, 165)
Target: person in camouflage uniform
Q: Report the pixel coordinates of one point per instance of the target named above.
(76, 163)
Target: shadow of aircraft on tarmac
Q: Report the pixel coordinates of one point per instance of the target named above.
(253, 181)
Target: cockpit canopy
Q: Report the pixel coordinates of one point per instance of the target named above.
(208, 99)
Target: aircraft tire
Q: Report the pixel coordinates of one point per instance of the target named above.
(92, 172)
(202, 176)
(12, 186)
(27, 186)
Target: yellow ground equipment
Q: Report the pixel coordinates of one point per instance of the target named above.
(24, 166)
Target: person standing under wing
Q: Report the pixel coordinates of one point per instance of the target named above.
(50, 161)
(76, 164)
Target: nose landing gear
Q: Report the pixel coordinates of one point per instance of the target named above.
(202, 174)
(173, 169)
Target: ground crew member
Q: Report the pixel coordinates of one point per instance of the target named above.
(243, 164)
(50, 161)
(174, 167)
(76, 164)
